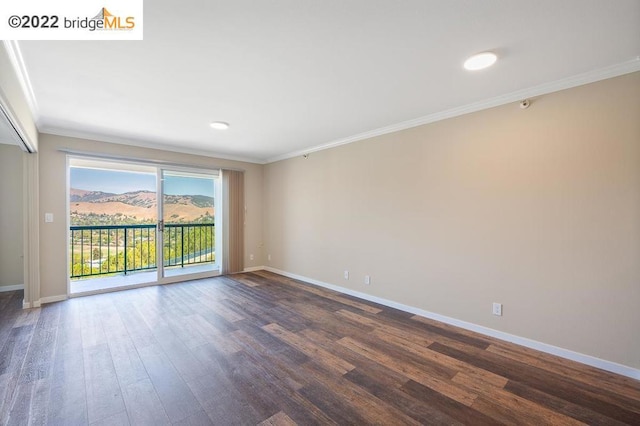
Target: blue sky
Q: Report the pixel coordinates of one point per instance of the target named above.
(178, 185)
(120, 182)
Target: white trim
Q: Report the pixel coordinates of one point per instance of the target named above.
(48, 299)
(627, 67)
(522, 341)
(17, 61)
(15, 56)
(67, 176)
(5, 288)
(25, 143)
(592, 76)
(253, 269)
(114, 158)
(31, 230)
(51, 299)
(120, 140)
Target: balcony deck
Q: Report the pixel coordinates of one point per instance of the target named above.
(123, 256)
(100, 283)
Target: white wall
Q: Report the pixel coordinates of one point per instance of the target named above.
(538, 209)
(11, 217)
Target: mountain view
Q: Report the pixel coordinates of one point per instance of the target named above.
(137, 207)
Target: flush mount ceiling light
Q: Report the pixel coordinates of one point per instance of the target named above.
(480, 61)
(219, 125)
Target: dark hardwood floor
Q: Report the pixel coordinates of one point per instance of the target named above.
(259, 348)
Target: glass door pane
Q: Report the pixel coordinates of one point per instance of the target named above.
(112, 218)
(188, 214)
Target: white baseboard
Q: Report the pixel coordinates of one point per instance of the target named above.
(253, 269)
(36, 303)
(11, 287)
(51, 299)
(522, 341)
(29, 305)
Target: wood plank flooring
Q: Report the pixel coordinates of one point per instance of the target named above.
(262, 349)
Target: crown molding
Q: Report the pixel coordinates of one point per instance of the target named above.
(59, 131)
(616, 70)
(17, 61)
(627, 67)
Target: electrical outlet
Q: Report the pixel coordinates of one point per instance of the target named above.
(251, 257)
(346, 275)
(497, 309)
(367, 279)
(269, 257)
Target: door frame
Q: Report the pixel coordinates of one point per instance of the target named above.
(161, 278)
(159, 166)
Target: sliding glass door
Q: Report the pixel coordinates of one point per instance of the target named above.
(132, 224)
(187, 228)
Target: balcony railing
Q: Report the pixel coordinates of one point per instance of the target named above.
(114, 249)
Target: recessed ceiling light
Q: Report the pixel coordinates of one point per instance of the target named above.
(480, 61)
(219, 125)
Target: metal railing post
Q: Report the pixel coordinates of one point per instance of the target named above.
(125, 251)
(182, 247)
(73, 246)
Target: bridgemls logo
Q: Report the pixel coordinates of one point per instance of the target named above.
(71, 20)
(112, 22)
(104, 20)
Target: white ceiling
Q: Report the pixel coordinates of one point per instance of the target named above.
(291, 76)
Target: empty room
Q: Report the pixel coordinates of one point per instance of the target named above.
(320, 212)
